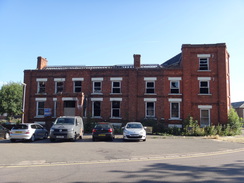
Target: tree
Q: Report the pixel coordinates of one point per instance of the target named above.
(11, 99)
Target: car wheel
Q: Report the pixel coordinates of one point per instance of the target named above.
(74, 139)
(12, 140)
(144, 140)
(7, 136)
(93, 139)
(32, 139)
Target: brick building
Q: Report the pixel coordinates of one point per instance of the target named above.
(194, 82)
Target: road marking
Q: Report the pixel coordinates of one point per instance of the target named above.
(168, 157)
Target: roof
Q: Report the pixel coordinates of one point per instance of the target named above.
(143, 66)
(174, 62)
(236, 105)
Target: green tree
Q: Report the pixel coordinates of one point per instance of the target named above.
(11, 99)
(234, 122)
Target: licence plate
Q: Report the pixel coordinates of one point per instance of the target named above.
(18, 132)
(101, 135)
(60, 137)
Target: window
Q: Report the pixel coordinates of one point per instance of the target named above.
(41, 87)
(40, 108)
(116, 87)
(115, 109)
(149, 87)
(174, 87)
(54, 107)
(77, 86)
(204, 117)
(203, 62)
(59, 86)
(204, 87)
(96, 109)
(97, 87)
(150, 109)
(175, 108)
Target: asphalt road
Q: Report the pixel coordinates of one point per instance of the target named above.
(156, 160)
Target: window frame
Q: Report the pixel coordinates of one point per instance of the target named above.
(150, 88)
(113, 109)
(59, 87)
(38, 108)
(204, 118)
(77, 87)
(203, 62)
(148, 111)
(93, 109)
(94, 90)
(114, 88)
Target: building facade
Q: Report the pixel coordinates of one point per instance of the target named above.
(196, 83)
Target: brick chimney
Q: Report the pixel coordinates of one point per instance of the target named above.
(137, 60)
(41, 62)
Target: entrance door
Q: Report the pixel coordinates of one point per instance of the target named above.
(69, 108)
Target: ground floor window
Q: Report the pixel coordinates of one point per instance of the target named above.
(115, 112)
(204, 117)
(40, 108)
(175, 110)
(150, 109)
(96, 109)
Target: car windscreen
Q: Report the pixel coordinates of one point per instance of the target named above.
(18, 127)
(134, 126)
(102, 126)
(68, 121)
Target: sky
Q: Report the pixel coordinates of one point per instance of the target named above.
(109, 32)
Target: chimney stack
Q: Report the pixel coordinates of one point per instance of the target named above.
(137, 60)
(41, 62)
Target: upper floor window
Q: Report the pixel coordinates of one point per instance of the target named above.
(116, 85)
(150, 85)
(41, 85)
(97, 85)
(59, 85)
(174, 85)
(203, 62)
(77, 84)
(204, 85)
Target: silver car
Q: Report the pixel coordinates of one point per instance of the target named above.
(28, 131)
(134, 131)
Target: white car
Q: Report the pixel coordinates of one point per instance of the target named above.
(134, 131)
(28, 131)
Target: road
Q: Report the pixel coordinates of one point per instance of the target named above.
(156, 160)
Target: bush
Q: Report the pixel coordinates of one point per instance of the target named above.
(234, 122)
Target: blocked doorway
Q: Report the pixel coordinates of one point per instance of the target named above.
(69, 108)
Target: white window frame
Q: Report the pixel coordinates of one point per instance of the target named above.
(59, 80)
(119, 109)
(175, 101)
(205, 108)
(38, 100)
(201, 57)
(174, 79)
(93, 101)
(204, 79)
(150, 100)
(150, 80)
(96, 80)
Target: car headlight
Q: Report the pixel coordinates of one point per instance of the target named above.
(70, 130)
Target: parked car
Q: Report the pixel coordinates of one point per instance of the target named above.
(134, 131)
(67, 128)
(104, 131)
(28, 131)
(4, 132)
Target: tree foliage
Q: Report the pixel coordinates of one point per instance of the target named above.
(11, 99)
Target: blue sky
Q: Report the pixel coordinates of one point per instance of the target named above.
(109, 32)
